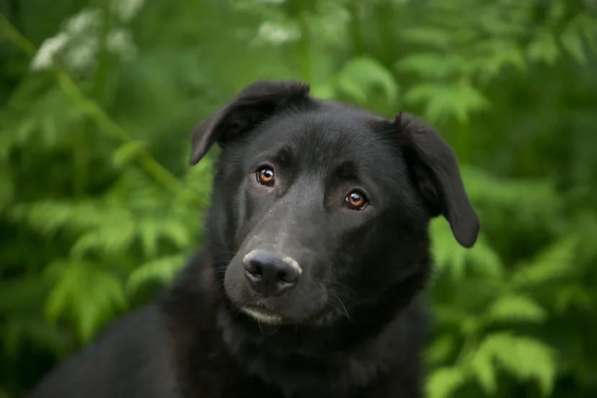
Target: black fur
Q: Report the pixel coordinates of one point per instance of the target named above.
(352, 326)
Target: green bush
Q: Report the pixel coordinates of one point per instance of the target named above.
(98, 207)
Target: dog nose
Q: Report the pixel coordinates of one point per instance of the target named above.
(270, 275)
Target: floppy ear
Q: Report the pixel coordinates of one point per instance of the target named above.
(252, 105)
(434, 168)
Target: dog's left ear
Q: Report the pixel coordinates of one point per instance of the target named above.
(434, 169)
(252, 105)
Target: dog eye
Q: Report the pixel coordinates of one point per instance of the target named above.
(356, 200)
(265, 176)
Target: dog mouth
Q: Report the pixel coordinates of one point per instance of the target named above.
(263, 316)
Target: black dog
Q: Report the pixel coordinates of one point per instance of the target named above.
(316, 246)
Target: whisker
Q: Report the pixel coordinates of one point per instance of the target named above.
(342, 306)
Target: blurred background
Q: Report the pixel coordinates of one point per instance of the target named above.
(99, 209)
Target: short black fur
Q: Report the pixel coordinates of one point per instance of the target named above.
(341, 315)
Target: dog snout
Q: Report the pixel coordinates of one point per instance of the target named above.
(269, 274)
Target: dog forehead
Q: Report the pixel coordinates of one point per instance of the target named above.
(328, 134)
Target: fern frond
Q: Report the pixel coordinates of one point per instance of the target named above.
(159, 270)
(523, 357)
(516, 308)
(83, 294)
(444, 382)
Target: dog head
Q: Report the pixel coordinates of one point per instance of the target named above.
(320, 208)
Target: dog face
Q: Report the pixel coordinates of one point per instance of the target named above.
(320, 208)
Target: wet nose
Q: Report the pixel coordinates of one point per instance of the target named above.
(269, 274)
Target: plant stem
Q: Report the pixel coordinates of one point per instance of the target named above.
(90, 108)
(8, 30)
(103, 120)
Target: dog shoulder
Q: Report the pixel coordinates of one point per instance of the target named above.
(132, 358)
(396, 353)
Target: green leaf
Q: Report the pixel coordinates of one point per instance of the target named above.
(497, 54)
(362, 78)
(433, 65)
(523, 357)
(50, 216)
(544, 48)
(573, 296)
(447, 253)
(428, 36)
(177, 233)
(516, 308)
(571, 40)
(84, 294)
(127, 152)
(553, 263)
(447, 100)
(443, 382)
(483, 369)
(149, 231)
(112, 237)
(440, 349)
(161, 270)
(587, 26)
(530, 202)
(453, 258)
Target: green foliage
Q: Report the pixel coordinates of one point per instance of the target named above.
(364, 80)
(98, 207)
(103, 293)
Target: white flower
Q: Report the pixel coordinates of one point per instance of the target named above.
(120, 42)
(82, 55)
(83, 21)
(126, 9)
(276, 33)
(77, 44)
(45, 56)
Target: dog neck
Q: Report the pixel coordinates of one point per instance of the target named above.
(348, 354)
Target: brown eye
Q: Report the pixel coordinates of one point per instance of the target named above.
(356, 200)
(265, 176)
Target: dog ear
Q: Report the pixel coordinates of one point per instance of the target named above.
(252, 105)
(434, 169)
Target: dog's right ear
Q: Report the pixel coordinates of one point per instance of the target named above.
(252, 105)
